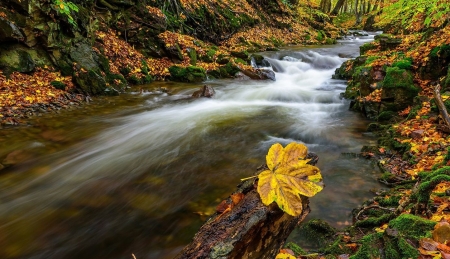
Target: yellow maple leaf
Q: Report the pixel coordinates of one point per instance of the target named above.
(288, 176)
(285, 256)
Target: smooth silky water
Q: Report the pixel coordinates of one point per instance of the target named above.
(139, 173)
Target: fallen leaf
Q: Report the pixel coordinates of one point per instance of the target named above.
(288, 176)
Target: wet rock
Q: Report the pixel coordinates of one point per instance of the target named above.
(359, 33)
(17, 156)
(205, 91)
(259, 74)
(9, 31)
(259, 61)
(16, 60)
(371, 109)
(90, 82)
(417, 134)
(84, 56)
(175, 53)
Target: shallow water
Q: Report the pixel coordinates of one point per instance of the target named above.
(139, 173)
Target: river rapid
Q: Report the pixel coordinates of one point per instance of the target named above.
(139, 173)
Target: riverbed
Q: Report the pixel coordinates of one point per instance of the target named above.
(140, 172)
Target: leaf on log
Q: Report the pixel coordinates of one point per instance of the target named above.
(288, 177)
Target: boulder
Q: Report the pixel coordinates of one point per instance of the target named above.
(16, 60)
(9, 31)
(84, 56)
(204, 91)
(259, 61)
(398, 86)
(90, 82)
(259, 74)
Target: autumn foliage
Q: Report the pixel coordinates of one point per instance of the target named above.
(288, 176)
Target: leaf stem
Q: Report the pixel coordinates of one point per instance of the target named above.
(243, 179)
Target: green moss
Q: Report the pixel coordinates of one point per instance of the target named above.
(403, 64)
(391, 250)
(144, 67)
(320, 36)
(318, 231)
(374, 221)
(386, 115)
(383, 36)
(125, 71)
(337, 248)
(135, 80)
(397, 77)
(187, 74)
(408, 251)
(58, 85)
(438, 51)
(240, 61)
(371, 59)
(411, 226)
(388, 202)
(229, 70)
(370, 247)
(296, 249)
(366, 47)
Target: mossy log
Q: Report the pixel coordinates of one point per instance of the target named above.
(249, 230)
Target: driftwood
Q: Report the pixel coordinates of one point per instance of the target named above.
(249, 230)
(442, 109)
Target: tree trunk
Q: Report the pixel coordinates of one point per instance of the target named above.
(250, 230)
(337, 7)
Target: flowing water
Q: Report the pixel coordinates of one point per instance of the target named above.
(139, 173)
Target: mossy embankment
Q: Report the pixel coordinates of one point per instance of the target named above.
(103, 47)
(392, 84)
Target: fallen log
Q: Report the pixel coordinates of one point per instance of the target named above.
(247, 229)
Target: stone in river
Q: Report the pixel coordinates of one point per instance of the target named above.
(205, 91)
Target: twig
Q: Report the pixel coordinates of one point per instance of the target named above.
(441, 105)
(371, 207)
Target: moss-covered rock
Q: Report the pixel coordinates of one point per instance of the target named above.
(318, 231)
(410, 226)
(241, 54)
(370, 247)
(92, 83)
(192, 55)
(366, 47)
(387, 41)
(259, 61)
(405, 63)
(187, 74)
(399, 88)
(16, 60)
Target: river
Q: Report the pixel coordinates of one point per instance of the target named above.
(139, 173)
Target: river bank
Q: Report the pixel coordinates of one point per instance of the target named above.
(150, 167)
(53, 58)
(394, 83)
